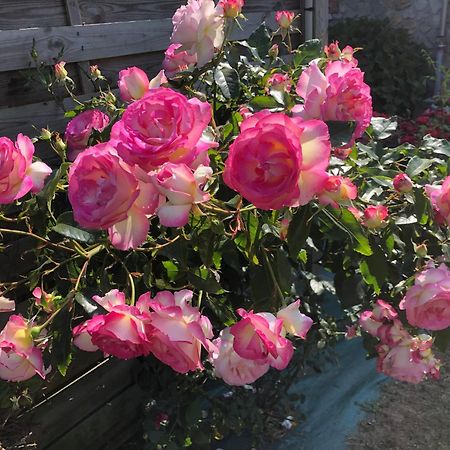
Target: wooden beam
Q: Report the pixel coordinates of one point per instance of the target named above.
(96, 41)
(74, 15)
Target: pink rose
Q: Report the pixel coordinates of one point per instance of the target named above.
(159, 79)
(19, 358)
(259, 337)
(102, 187)
(279, 82)
(18, 173)
(402, 183)
(332, 51)
(60, 71)
(163, 126)
(180, 61)
(80, 128)
(427, 303)
(294, 322)
(277, 161)
(231, 8)
(440, 200)
(375, 216)
(198, 27)
(284, 18)
(179, 330)
(356, 212)
(232, 368)
(182, 188)
(133, 84)
(410, 361)
(284, 228)
(383, 310)
(123, 332)
(339, 95)
(336, 191)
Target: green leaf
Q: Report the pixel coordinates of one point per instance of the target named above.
(263, 102)
(405, 220)
(421, 203)
(298, 231)
(48, 193)
(228, 81)
(62, 340)
(374, 269)
(347, 221)
(308, 51)
(67, 227)
(284, 270)
(383, 128)
(417, 165)
(340, 132)
(261, 40)
(442, 339)
(438, 146)
(208, 284)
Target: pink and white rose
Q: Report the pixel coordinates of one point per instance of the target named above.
(440, 200)
(337, 191)
(179, 330)
(198, 27)
(133, 84)
(231, 8)
(294, 322)
(284, 18)
(18, 173)
(277, 161)
(124, 331)
(427, 303)
(232, 368)
(80, 129)
(338, 95)
(176, 60)
(19, 358)
(163, 126)
(375, 216)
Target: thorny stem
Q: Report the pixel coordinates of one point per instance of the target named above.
(39, 238)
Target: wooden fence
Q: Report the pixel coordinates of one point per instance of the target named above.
(97, 405)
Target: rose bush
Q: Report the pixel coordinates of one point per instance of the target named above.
(190, 225)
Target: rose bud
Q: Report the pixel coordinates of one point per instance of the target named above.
(402, 183)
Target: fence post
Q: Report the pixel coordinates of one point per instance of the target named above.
(321, 20)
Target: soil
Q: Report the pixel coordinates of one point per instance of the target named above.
(408, 416)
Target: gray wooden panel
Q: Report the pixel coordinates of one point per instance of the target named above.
(15, 14)
(83, 42)
(50, 420)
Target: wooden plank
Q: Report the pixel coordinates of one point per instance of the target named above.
(74, 14)
(321, 15)
(50, 421)
(15, 14)
(107, 428)
(105, 40)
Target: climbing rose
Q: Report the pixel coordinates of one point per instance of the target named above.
(19, 358)
(80, 128)
(177, 61)
(102, 187)
(440, 200)
(277, 161)
(198, 27)
(179, 331)
(402, 183)
(232, 368)
(294, 322)
(124, 331)
(284, 18)
(340, 94)
(18, 173)
(133, 84)
(163, 126)
(375, 216)
(182, 188)
(231, 8)
(337, 190)
(427, 303)
(260, 337)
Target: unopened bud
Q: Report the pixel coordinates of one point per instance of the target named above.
(96, 73)
(60, 144)
(274, 51)
(60, 71)
(46, 134)
(421, 250)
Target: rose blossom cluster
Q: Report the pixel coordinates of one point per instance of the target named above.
(175, 332)
(338, 94)
(400, 355)
(198, 33)
(155, 163)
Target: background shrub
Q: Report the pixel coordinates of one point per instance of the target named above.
(393, 63)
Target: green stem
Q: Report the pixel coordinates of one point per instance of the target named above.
(274, 278)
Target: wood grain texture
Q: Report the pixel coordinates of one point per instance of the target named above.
(49, 420)
(16, 14)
